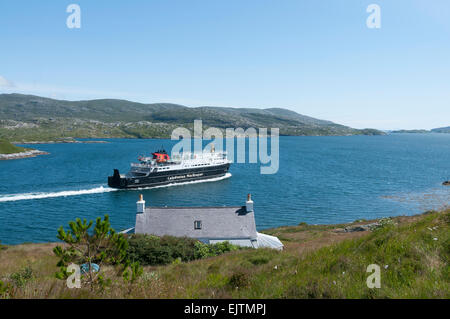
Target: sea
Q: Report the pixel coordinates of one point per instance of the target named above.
(320, 180)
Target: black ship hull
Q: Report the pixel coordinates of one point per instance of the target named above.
(167, 177)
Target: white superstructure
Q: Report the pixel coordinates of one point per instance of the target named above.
(186, 160)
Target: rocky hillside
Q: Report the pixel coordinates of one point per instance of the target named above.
(27, 118)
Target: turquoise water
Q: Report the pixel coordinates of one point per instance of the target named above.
(320, 180)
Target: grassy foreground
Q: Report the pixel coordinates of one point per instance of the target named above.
(319, 261)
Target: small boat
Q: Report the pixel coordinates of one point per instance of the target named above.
(446, 183)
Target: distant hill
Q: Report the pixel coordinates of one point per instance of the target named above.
(411, 131)
(441, 130)
(435, 130)
(29, 117)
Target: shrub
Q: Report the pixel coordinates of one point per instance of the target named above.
(153, 250)
(223, 247)
(204, 250)
(23, 276)
(239, 279)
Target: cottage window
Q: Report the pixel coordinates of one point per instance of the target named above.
(198, 224)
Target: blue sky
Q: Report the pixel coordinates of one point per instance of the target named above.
(317, 58)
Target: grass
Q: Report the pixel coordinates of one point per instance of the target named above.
(317, 262)
(8, 148)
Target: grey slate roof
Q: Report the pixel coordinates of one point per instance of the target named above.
(217, 222)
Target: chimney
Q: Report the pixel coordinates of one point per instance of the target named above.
(249, 203)
(140, 205)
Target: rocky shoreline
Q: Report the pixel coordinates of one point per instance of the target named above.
(33, 153)
(26, 154)
(62, 142)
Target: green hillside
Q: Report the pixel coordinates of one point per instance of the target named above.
(28, 117)
(8, 148)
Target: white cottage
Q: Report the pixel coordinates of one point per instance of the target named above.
(210, 225)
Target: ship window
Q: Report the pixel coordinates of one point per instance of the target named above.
(198, 224)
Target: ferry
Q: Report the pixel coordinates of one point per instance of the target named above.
(161, 169)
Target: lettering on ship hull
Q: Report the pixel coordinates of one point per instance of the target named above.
(171, 178)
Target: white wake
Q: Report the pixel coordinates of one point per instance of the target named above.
(97, 190)
(28, 196)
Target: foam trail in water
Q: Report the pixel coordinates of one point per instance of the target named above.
(215, 179)
(101, 189)
(28, 196)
